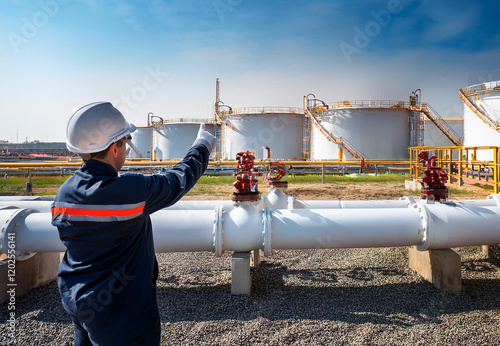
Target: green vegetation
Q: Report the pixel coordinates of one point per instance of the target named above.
(316, 178)
(354, 178)
(453, 192)
(485, 187)
(48, 185)
(42, 185)
(216, 179)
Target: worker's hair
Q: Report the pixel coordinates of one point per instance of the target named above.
(102, 154)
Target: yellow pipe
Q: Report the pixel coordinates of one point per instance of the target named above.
(134, 163)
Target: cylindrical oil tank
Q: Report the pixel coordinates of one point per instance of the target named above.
(374, 132)
(434, 137)
(252, 129)
(477, 133)
(140, 146)
(172, 140)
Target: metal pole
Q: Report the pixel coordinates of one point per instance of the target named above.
(29, 186)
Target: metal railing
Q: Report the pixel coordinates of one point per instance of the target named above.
(462, 164)
(264, 110)
(482, 88)
(185, 120)
(479, 112)
(335, 139)
(434, 116)
(370, 104)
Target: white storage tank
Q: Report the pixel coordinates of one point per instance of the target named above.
(477, 133)
(377, 129)
(140, 147)
(250, 129)
(172, 140)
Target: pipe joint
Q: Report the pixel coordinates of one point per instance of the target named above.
(267, 232)
(11, 220)
(496, 198)
(410, 201)
(424, 233)
(218, 239)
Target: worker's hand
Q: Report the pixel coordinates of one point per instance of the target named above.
(206, 138)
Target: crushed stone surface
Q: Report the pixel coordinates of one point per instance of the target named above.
(306, 297)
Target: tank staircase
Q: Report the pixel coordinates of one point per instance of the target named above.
(134, 148)
(306, 139)
(217, 134)
(481, 113)
(331, 137)
(434, 116)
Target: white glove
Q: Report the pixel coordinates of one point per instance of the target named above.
(206, 138)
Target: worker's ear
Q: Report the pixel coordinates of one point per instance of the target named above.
(114, 150)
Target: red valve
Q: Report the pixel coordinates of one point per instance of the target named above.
(433, 178)
(278, 170)
(275, 168)
(247, 184)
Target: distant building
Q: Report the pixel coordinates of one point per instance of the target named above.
(34, 148)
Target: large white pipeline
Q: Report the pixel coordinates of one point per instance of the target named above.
(275, 199)
(254, 225)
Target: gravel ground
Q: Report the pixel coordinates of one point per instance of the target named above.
(307, 297)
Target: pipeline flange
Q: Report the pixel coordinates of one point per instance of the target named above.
(496, 198)
(409, 200)
(217, 232)
(426, 220)
(278, 184)
(267, 232)
(13, 217)
(245, 197)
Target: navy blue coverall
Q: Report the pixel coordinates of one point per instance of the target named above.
(107, 278)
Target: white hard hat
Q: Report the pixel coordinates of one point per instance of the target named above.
(95, 127)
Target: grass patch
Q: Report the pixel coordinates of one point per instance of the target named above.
(485, 187)
(48, 185)
(42, 185)
(216, 179)
(362, 178)
(314, 178)
(452, 192)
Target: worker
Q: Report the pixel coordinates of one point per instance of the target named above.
(107, 278)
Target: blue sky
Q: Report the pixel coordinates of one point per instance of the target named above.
(164, 56)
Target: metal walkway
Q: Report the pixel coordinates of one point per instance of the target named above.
(434, 116)
(466, 94)
(333, 138)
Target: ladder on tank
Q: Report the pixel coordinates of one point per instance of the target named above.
(306, 139)
(218, 146)
(219, 122)
(333, 138)
(478, 111)
(434, 116)
(416, 129)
